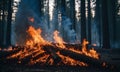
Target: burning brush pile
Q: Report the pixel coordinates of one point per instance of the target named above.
(38, 51)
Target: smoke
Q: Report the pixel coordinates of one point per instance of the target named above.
(29, 15)
(26, 9)
(95, 34)
(70, 33)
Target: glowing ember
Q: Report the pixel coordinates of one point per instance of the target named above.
(15, 55)
(94, 44)
(40, 60)
(69, 61)
(103, 64)
(10, 48)
(31, 19)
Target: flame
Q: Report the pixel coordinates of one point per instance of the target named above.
(51, 61)
(15, 55)
(91, 53)
(59, 40)
(39, 60)
(8, 49)
(84, 44)
(36, 37)
(69, 61)
(34, 49)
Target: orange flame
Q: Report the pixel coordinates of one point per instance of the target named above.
(39, 60)
(91, 53)
(69, 61)
(36, 37)
(59, 40)
(34, 49)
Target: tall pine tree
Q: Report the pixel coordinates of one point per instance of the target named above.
(83, 20)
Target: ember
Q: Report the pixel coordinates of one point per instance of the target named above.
(31, 19)
(69, 61)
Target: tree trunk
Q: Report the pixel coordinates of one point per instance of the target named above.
(89, 22)
(112, 18)
(55, 16)
(41, 6)
(59, 14)
(72, 15)
(3, 23)
(98, 20)
(48, 16)
(9, 20)
(83, 20)
(105, 25)
(67, 8)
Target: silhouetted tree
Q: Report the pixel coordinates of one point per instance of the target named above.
(72, 13)
(83, 20)
(41, 7)
(5, 22)
(9, 19)
(112, 20)
(105, 25)
(97, 20)
(89, 22)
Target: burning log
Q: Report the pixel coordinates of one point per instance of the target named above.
(39, 51)
(80, 57)
(52, 53)
(89, 60)
(6, 53)
(27, 59)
